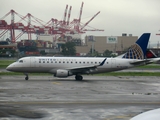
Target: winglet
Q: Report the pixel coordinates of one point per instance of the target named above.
(138, 50)
(101, 64)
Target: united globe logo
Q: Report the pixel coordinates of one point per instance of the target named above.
(134, 52)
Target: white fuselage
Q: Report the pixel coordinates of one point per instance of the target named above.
(51, 64)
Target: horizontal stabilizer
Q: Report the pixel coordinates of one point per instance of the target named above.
(141, 62)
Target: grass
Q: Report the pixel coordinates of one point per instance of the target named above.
(5, 63)
(130, 74)
(150, 66)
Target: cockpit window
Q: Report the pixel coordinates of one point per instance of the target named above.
(21, 61)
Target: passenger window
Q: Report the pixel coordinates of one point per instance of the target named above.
(84, 62)
(51, 61)
(47, 61)
(43, 61)
(21, 61)
(39, 61)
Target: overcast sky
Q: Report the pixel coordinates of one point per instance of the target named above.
(116, 16)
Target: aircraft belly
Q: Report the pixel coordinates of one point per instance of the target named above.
(101, 70)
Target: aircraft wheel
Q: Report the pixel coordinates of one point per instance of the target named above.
(78, 77)
(26, 78)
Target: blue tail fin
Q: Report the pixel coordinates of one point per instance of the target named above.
(138, 50)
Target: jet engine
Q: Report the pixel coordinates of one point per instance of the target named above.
(62, 73)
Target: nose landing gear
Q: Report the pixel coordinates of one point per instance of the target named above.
(26, 78)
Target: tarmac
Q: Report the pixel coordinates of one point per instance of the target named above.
(94, 98)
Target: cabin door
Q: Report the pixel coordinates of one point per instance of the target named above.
(33, 61)
(113, 63)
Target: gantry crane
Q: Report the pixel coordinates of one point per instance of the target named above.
(53, 27)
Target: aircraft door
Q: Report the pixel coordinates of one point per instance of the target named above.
(113, 63)
(33, 62)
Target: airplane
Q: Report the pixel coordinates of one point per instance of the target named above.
(68, 66)
(150, 54)
(149, 115)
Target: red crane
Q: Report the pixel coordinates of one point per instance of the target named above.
(19, 26)
(54, 26)
(158, 33)
(69, 15)
(78, 26)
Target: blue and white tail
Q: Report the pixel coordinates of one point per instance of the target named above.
(138, 50)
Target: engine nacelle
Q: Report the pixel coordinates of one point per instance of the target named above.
(62, 73)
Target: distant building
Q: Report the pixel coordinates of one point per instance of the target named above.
(60, 39)
(116, 44)
(77, 42)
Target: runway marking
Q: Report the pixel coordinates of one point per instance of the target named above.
(125, 117)
(57, 83)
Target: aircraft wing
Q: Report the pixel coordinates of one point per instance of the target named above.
(82, 69)
(149, 115)
(86, 69)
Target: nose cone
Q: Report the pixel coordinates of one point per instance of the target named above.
(9, 68)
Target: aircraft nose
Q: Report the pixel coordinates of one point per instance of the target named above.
(10, 67)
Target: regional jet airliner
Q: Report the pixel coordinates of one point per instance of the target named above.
(68, 66)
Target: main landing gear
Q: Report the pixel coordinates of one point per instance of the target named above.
(78, 77)
(26, 78)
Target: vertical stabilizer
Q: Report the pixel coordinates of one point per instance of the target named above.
(138, 50)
